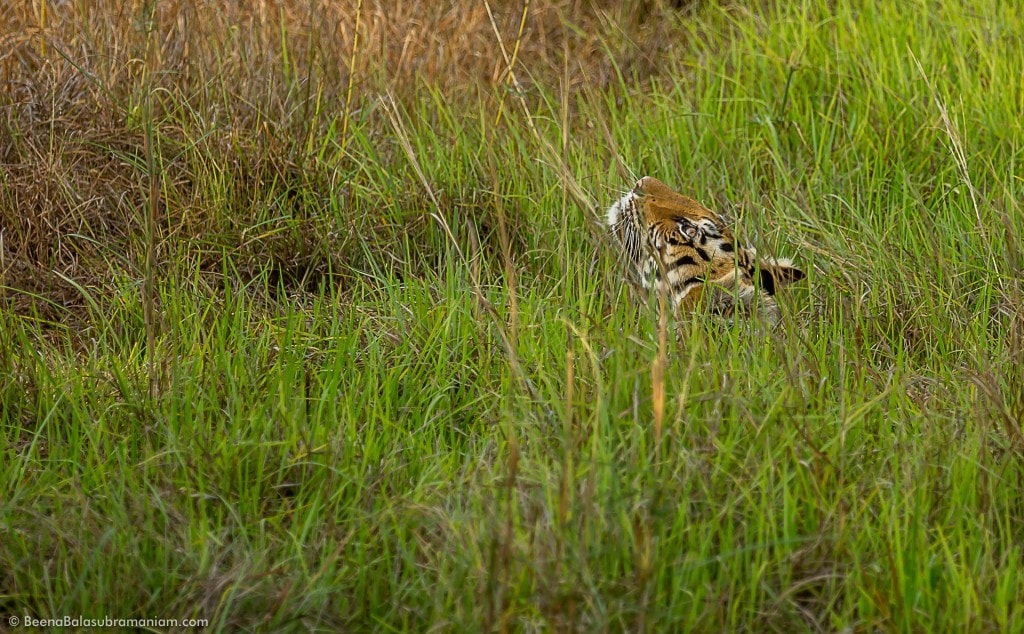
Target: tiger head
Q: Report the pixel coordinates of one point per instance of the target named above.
(690, 253)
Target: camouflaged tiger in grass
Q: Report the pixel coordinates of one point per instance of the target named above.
(668, 236)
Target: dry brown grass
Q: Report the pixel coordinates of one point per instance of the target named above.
(239, 88)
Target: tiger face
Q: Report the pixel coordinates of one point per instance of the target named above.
(679, 246)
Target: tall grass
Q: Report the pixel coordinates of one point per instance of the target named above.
(404, 384)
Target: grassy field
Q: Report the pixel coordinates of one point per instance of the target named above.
(307, 331)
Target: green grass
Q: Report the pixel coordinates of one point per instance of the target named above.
(360, 422)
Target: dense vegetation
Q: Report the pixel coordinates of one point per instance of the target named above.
(301, 329)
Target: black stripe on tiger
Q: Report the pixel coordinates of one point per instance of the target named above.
(686, 260)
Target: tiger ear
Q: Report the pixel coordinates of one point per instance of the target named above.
(775, 274)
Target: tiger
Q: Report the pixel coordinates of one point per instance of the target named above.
(678, 246)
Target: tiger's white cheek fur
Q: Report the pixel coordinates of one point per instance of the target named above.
(624, 221)
(647, 271)
(617, 208)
